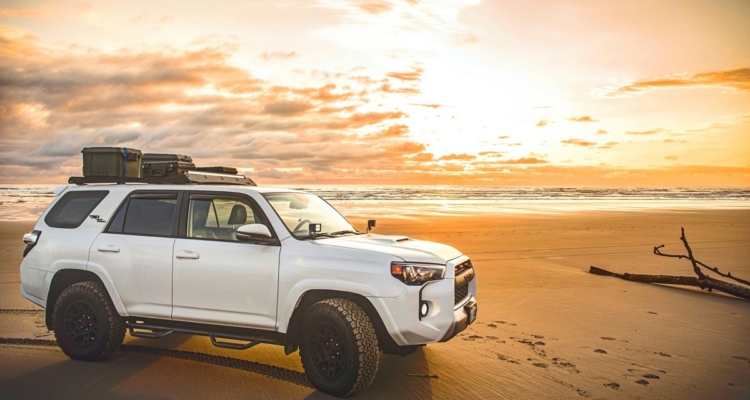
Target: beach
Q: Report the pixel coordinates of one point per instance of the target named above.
(546, 328)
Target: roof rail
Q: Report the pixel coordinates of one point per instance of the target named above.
(186, 178)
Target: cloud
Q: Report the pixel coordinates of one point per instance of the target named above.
(287, 107)
(578, 142)
(601, 132)
(427, 105)
(462, 157)
(670, 157)
(503, 137)
(736, 78)
(524, 160)
(414, 75)
(393, 131)
(375, 7)
(279, 55)
(190, 101)
(585, 118)
(623, 174)
(543, 122)
(648, 132)
(422, 157)
(607, 145)
(23, 12)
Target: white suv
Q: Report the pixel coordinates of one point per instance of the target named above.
(242, 265)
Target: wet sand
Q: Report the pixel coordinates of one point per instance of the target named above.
(546, 327)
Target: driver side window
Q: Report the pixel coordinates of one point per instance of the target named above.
(217, 218)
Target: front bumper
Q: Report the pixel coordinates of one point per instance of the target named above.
(446, 318)
(461, 319)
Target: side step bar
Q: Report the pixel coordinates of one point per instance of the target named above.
(156, 329)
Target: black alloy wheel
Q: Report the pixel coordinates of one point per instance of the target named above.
(81, 325)
(329, 351)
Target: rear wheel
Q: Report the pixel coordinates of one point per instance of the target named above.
(87, 326)
(339, 347)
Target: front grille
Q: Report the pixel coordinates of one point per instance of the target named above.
(460, 293)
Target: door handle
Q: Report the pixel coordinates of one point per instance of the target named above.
(187, 254)
(108, 249)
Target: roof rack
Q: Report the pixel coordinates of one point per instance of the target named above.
(187, 178)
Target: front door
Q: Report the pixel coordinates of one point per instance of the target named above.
(216, 278)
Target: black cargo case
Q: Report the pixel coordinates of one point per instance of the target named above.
(166, 168)
(122, 162)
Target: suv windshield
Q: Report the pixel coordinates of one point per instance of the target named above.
(299, 210)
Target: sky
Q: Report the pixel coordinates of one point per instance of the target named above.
(506, 93)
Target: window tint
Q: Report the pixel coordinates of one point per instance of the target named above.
(218, 218)
(73, 208)
(149, 216)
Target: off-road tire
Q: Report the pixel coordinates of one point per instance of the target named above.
(357, 344)
(100, 330)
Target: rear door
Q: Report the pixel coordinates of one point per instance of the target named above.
(136, 251)
(218, 279)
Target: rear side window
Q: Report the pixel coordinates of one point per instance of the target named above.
(151, 215)
(73, 208)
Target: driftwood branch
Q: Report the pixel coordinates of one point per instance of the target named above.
(693, 260)
(705, 283)
(702, 280)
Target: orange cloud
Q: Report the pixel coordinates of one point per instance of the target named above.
(393, 131)
(543, 122)
(463, 157)
(427, 105)
(22, 12)
(375, 7)
(407, 76)
(735, 78)
(524, 160)
(648, 132)
(278, 55)
(601, 132)
(585, 118)
(578, 142)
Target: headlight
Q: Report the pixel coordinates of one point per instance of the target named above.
(416, 273)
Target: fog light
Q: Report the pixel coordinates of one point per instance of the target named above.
(424, 309)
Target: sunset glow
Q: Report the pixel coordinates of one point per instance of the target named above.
(394, 92)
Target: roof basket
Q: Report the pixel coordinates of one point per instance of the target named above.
(187, 178)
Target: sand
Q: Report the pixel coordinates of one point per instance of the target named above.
(546, 327)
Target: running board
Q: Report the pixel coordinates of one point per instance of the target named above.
(156, 329)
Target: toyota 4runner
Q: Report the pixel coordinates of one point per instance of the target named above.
(242, 265)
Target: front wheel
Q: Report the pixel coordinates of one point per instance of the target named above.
(339, 347)
(87, 326)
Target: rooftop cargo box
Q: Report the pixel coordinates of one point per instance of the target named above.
(218, 170)
(120, 162)
(149, 157)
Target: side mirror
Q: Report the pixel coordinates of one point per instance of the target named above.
(370, 224)
(254, 233)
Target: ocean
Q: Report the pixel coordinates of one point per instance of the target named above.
(20, 202)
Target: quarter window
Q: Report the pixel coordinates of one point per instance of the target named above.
(73, 208)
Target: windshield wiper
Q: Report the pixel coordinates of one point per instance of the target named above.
(343, 232)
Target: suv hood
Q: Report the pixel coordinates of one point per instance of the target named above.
(399, 246)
